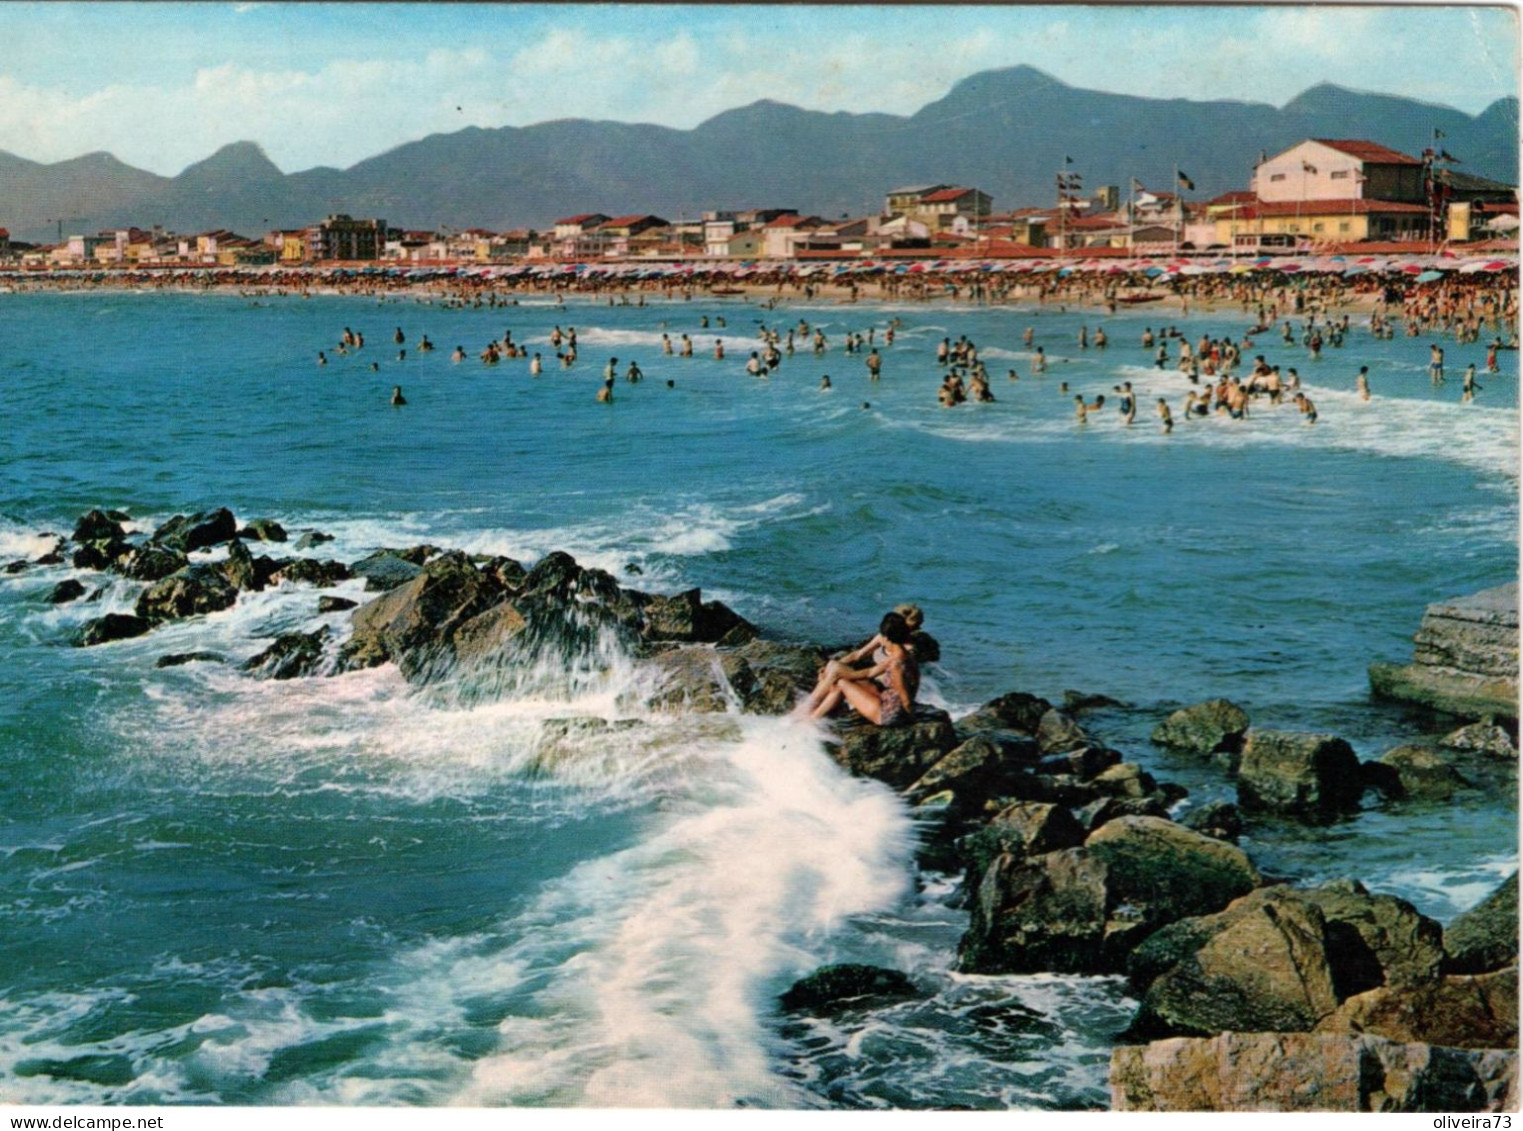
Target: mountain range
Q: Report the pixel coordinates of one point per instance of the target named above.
(1006, 131)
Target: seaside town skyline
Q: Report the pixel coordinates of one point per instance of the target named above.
(360, 87)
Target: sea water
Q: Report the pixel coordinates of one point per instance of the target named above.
(218, 890)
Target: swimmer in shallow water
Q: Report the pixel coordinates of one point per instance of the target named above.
(1165, 416)
(825, 383)
(396, 395)
(605, 394)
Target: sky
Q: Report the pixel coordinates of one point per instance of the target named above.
(164, 85)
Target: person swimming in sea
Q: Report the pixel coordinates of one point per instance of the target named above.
(825, 383)
(1165, 416)
(634, 374)
(605, 394)
(396, 395)
(1308, 410)
(1362, 383)
(322, 358)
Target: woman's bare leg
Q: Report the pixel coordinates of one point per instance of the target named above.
(863, 695)
(828, 704)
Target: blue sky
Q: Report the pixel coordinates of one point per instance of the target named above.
(163, 85)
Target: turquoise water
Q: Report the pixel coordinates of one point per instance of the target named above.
(214, 890)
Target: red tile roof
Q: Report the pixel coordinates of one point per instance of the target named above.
(627, 221)
(580, 218)
(1359, 206)
(944, 196)
(795, 221)
(1233, 198)
(1367, 151)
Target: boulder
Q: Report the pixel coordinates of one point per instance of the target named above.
(1076, 701)
(1286, 1072)
(1057, 733)
(1082, 910)
(847, 985)
(687, 618)
(1017, 711)
(67, 590)
(509, 573)
(1219, 819)
(206, 528)
(898, 755)
(780, 674)
(974, 771)
(149, 562)
(384, 571)
(1478, 1011)
(97, 526)
(263, 530)
(112, 626)
(330, 604)
(1465, 661)
(1125, 779)
(103, 553)
(1216, 726)
(557, 571)
(311, 571)
(1025, 828)
(311, 539)
(178, 659)
(415, 624)
(1485, 937)
(761, 677)
(20, 565)
(240, 569)
(1083, 762)
(1483, 738)
(1103, 810)
(291, 656)
(1311, 776)
(1422, 773)
(190, 591)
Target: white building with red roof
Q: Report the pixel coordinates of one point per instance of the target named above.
(1339, 169)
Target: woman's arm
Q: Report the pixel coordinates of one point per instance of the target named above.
(865, 650)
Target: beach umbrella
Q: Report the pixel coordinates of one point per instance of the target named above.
(1356, 270)
(1153, 272)
(1430, 276)
(1411, 269)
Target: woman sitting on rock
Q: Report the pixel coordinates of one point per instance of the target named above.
(883, 693)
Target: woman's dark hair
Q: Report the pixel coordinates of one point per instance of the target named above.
(894, 629)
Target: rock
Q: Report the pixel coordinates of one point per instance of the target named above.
(1285, 1072)
(67, 590)
(97, 526)
(291, 656)
(1312, 776)
(384, 571)
(1017, 711)
(1125, 779)
(1076, 701)
(555, 572)
(149, 562)
(509, 573)
(311, 540)
(925, 646)
(1466, 658)
(1477, 1011)
(311, 571)
(1422, 773)
(415, 624)
(780, 674)
(20, 565)
(1082, 910)
(1103, 810)
(1219, 819)
(1485, 937)
(112, 626)
(1026, 828)
(1483, 738)
(191, 591)
(974, 771)
(100, 554)
(263, 530)
(687, 618)
(1083, 761)
(1056, 733)
(763, 677)
(330, 604)
(177, 659)
(898, 755)
(206, 528)
(239, 568)
(849, 984)
(1216, 726)
(1279, 958)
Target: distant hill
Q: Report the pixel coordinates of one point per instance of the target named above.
(1006, 131)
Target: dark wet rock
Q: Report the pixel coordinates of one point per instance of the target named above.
(240, 569)
(1485, 937)
(1422, 773)
(1459, 1011)
(557, 571)
(69, 589)
(1082, 910)
(51, 558)
(1216, 726)
(263, 530)
(847, 985)
(311, 539)
(197, 531)
(1280, 958)
(898, 755)
(415, 624)
(509, 573)
(20, 565)
(292, 655)
(191, 591)
(1017, 711)
(149, 562)
(1310, 1072)
(975, 770)
(926, 647)
(780, 674)
(1483, 738)
(1082, 761)
(1076, 701)
(311, 571)
(1103, 810)
(1025, 828)
(1219, 819)
(112, 626)
(761, 677)
(330, 604)
(1057, 733)
(687, 618)
(1125, 779)
(385, 570)
(179, 659)
(99, 554)
(97, 526)
(1311, 776)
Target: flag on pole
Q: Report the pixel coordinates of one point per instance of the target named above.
(1185, 181)
(1445, 155)
(1137, 185)
(1438, 133)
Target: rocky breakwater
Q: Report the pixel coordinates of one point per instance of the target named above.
(1466, 658)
